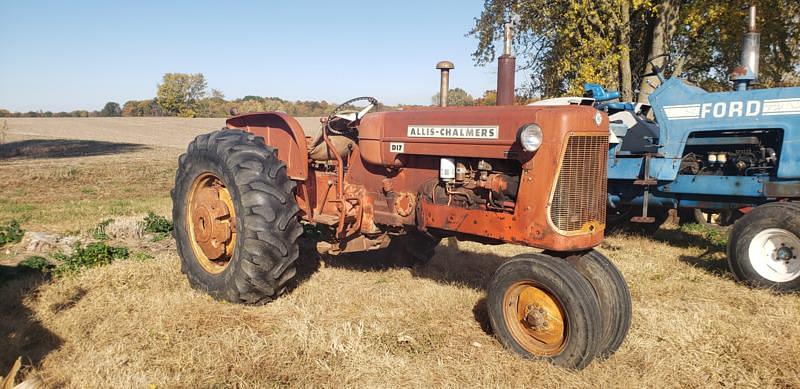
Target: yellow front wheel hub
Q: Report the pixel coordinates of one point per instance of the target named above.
(535, 319)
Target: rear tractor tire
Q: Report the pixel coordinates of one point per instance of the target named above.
(709, 218)
(235, 217)
(540, 307)
(764, 247)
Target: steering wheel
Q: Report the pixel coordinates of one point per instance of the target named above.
(657, 71)
(339, 112)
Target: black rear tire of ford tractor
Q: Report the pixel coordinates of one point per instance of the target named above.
(542, 308)
(764, 247)
(709, 218)
(612, 294)
(235, 217)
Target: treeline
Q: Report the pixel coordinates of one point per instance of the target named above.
(219, 107)
(48, 114)
(208, 108)
(110, 109)
(187, 95)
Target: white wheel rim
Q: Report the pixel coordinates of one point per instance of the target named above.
(774, 255)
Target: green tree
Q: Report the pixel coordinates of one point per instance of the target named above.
(179, 94)
(456, 97)
(111, 109)
(130, 108)
(489, 98)
(565, 43)
(708, 43)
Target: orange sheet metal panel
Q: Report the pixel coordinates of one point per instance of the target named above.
(282, 132)
(379, 130)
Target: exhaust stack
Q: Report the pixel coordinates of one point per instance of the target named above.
(747, 72)
(506, 67)
(750, 47)
(444, 85)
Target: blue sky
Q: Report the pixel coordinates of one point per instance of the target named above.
(67, 55)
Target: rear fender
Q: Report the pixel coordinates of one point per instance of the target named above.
(282, 132)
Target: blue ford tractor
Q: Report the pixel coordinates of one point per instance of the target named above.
(733, 157)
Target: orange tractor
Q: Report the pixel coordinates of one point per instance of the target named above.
(532, 176)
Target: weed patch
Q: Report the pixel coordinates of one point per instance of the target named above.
(11, 233)
(715, 236)
(36, 262)
(158, 225)
(94, 254)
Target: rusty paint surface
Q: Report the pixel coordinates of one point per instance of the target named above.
(378, 130)
(282, 132)
(495, 182)
(405, 203)
(782, 189)
(211, 221)
(506, 71)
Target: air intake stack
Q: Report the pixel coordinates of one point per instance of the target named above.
(444, 82)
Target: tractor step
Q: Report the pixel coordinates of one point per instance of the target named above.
(645, 182)
(642, 219)
(330, 220)
(357, 244)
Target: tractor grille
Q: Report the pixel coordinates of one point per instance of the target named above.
(579, 200)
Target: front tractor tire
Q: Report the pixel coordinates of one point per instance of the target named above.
(235, 217)
(540, 307)
(612, 294)
(764, 247)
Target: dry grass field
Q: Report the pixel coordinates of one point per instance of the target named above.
(356, 323)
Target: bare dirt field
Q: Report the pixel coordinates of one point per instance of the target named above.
(354, 323)
(158, 131)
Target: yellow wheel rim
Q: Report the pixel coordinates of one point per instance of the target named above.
(535, 319)
(211, 222)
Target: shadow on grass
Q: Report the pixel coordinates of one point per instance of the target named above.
(63, 148)
(710, 240)
(679, 238)
(449, 266)
(709, 263)
(21, 334)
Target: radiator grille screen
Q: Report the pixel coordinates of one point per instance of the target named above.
(579, 200)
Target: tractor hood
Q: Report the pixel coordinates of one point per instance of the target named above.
(483, 132)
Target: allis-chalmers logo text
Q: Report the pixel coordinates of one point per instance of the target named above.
(462, 132)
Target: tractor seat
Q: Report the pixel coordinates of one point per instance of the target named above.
(317, 149)
(310, 125)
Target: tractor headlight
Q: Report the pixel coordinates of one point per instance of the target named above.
(530, 137)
